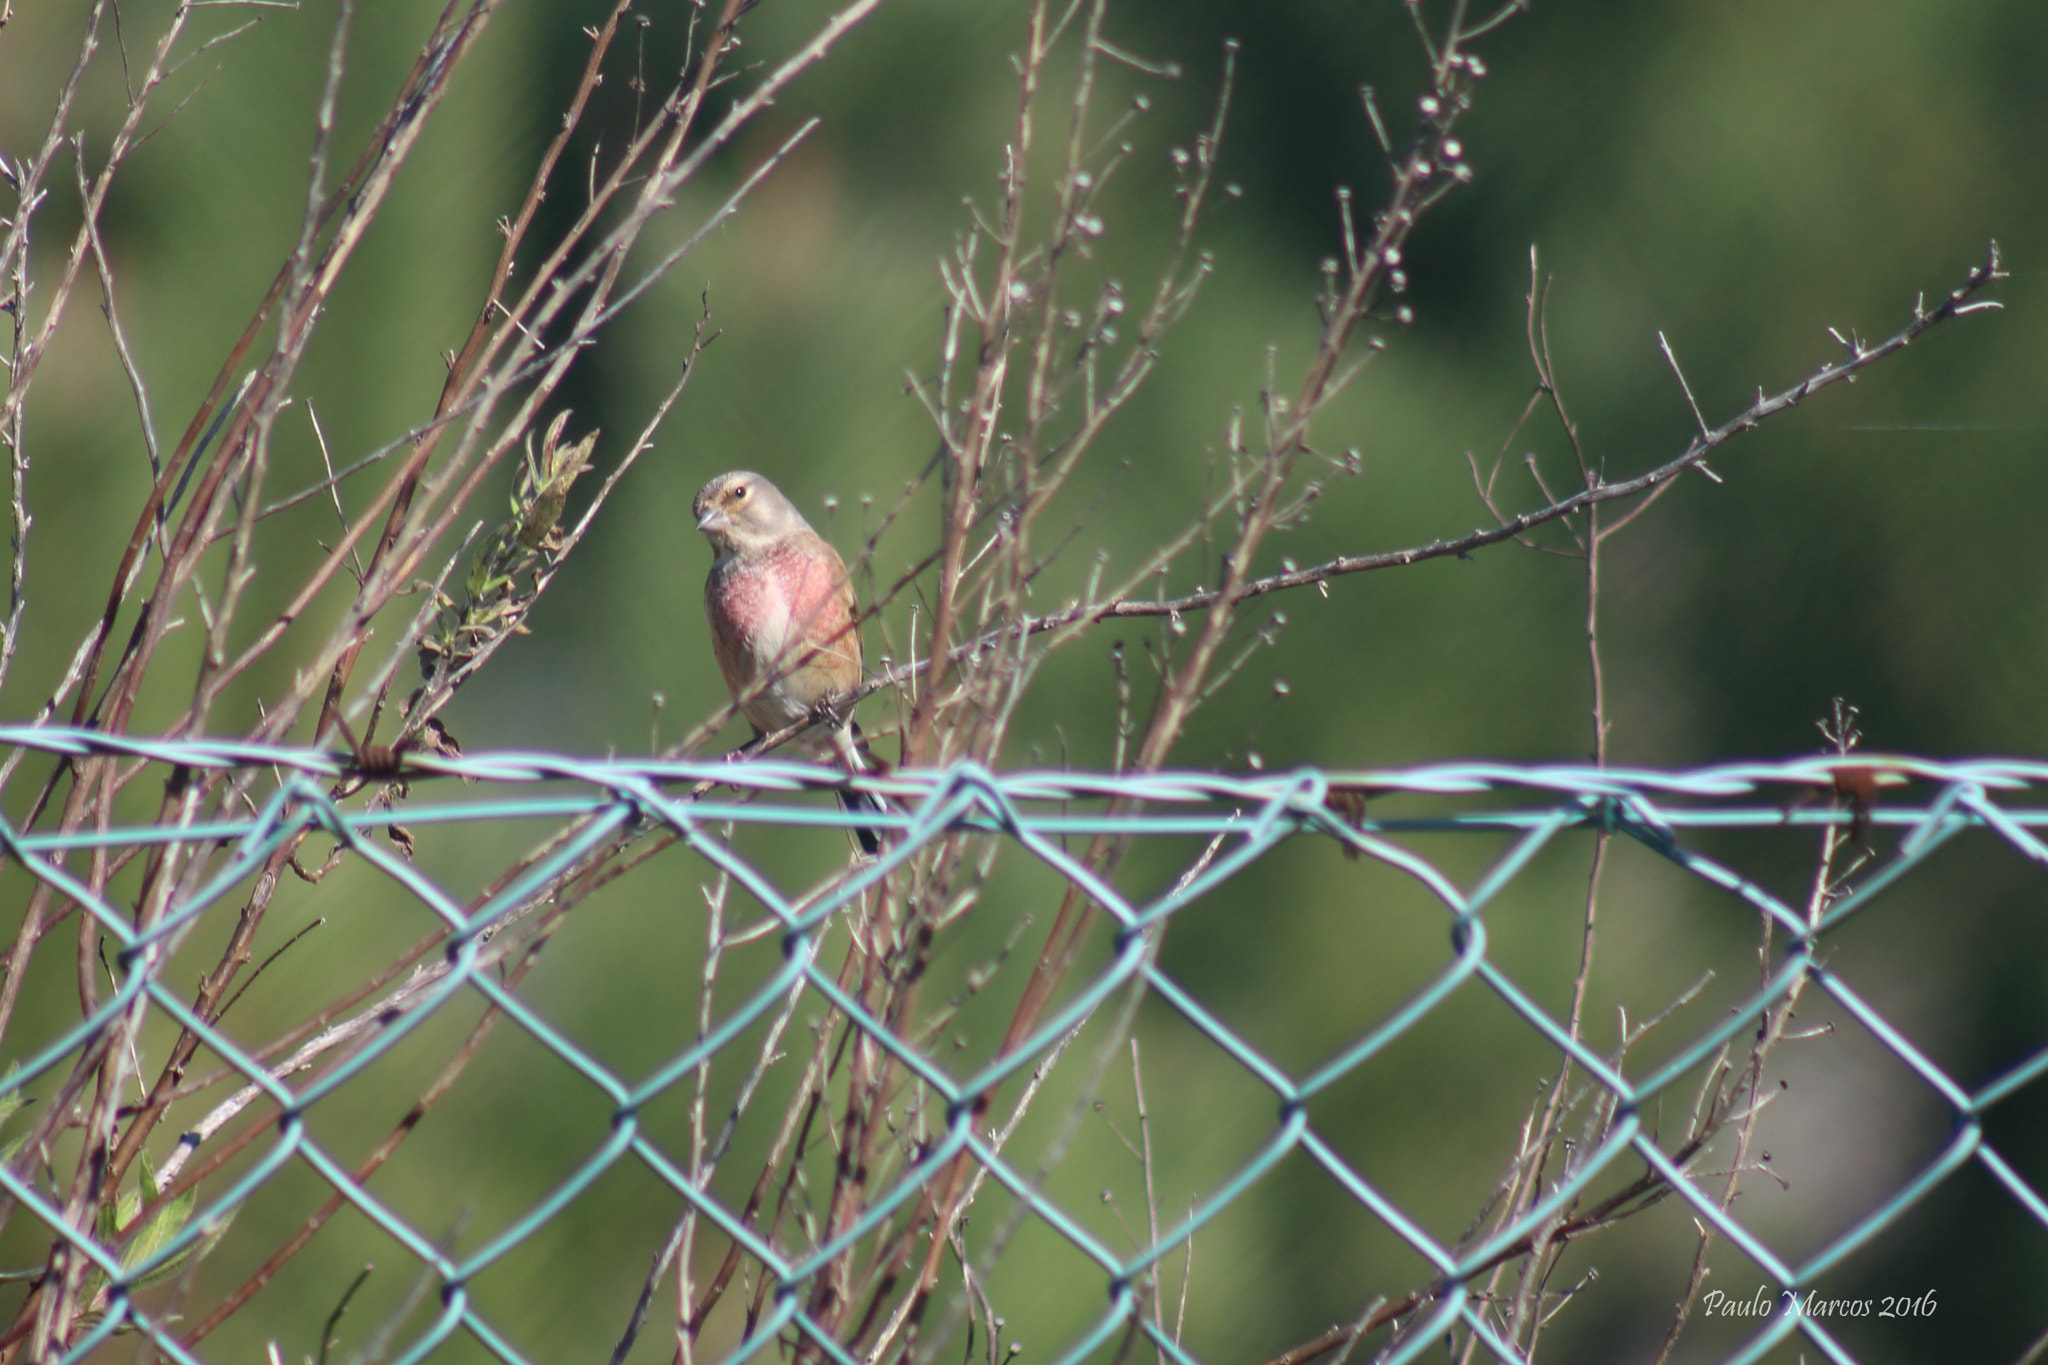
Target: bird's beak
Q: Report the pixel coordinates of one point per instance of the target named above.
(714, 519)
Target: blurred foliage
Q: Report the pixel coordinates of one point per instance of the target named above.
(1738, 174)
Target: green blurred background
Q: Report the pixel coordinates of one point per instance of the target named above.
(1739, 175)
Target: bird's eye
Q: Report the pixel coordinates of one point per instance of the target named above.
(739, 492)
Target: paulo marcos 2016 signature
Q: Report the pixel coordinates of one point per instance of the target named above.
(1763, 1304)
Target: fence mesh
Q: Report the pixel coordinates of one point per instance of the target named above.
(1434, 915)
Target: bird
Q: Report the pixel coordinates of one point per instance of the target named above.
(784, 624)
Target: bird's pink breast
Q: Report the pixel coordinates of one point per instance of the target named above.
(764, 608)
(763, 598)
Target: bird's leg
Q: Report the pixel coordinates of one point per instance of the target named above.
(831, 712)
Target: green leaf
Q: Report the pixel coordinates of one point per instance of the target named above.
(164, 1225)
(11, 1098)
(198, 1251)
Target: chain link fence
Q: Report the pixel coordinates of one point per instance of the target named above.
(590, 1057)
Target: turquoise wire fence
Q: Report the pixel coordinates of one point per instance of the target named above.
(493, 853)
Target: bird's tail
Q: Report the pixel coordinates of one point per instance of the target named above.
(859, 758)
(864, 803)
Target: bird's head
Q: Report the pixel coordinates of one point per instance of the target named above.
(741, 511)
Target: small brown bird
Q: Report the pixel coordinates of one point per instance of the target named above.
(782, 614)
